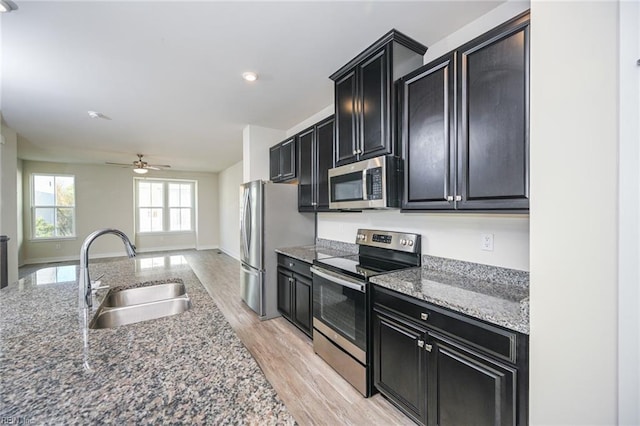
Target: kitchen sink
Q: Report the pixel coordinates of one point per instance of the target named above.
(136, 296)
(141, 304)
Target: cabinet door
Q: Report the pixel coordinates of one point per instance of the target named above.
(274, 163)
(284, 292)
(288, 159)
(324, 161)
(303, 307)
(467, 388)
(346, 120)
(399, 364)
(374, 108)
(428, 136)
(493, 143)
(306, 158)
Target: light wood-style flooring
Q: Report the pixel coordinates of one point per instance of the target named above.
(313, 392)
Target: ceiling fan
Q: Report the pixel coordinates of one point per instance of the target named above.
(140, 166)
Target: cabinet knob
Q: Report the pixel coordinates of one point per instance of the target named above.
(421, 343)
(355, 151)
(428, 347)
(314, 203)
(458, 197)
(291, 265)
(449, 198)
(424, 316)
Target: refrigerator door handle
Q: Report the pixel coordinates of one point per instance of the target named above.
(243, 226)
(247, 229)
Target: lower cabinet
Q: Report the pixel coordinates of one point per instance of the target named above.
(294, 292)
(436, 369)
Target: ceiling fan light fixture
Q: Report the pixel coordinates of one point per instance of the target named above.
(140, 170)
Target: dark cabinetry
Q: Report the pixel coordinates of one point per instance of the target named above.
(442, 368)
(315, 158)
(465, 125)
(282, 161)
(294, 292)
(365, 97)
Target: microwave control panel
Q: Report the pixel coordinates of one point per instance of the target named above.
(374, 184)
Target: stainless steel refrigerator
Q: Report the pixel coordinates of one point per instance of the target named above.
(269, 219)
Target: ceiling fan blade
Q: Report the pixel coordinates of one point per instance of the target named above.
(163, 166)
(117, 164)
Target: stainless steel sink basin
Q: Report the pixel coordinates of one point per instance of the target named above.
(141, 304)
(136, 296)
(114, 317)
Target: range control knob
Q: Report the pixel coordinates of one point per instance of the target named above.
(403, 242)
(410, 243)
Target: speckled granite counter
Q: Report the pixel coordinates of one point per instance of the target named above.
(188, 368)
(322, 249)
(496, 295)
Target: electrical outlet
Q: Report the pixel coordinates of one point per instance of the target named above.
(486, 242)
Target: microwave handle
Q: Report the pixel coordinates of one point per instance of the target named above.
(365, 194)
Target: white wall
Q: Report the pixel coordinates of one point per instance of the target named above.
(450, 235)
(256, 142)
(229, 209)
(105, 199)
(574, 292)
(629, 232)
(9, 197)
(456, 236)
(321, 115)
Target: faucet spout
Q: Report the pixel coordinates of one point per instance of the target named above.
(84, 280)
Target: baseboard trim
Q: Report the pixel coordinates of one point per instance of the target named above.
(236, 256)
(208, 247)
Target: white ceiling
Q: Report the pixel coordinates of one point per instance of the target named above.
(168, 74)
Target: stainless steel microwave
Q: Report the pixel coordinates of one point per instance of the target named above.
(367, 184)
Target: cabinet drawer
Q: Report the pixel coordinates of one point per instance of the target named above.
(491, 339)
(294, 265)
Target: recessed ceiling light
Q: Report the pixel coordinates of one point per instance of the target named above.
(250, 76)
(7, 6)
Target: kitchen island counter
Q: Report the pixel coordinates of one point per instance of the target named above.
(190, 367)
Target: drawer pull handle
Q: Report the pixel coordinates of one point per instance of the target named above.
(424, 316)
(291, 265)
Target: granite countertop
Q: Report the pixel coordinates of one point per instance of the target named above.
(497, 295)
(190, 367)
(322, 249)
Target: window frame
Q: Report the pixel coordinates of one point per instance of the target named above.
(166, 209)
(33, 237)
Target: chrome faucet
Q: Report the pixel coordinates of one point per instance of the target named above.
(84, 280)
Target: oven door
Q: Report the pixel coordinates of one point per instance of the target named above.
(339, 311)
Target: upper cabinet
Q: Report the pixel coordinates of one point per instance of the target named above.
(465, 125)
(282, 161)
(365, 97)
(315, 158)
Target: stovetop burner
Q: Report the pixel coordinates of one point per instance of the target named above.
(360, 266)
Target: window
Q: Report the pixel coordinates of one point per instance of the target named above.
(164, 206)
(53, 206)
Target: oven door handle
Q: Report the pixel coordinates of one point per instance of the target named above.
(338, 280)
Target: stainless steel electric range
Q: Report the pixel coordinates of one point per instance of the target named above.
(342, 305)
